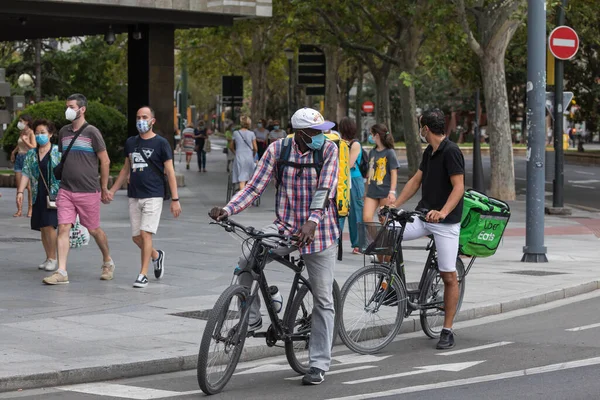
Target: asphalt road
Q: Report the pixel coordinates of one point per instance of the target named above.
(545, 352)
(582, 183)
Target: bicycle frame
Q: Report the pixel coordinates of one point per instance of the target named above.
(259, 256)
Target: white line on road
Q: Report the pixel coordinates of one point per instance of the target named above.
(125, 391)
(584, 186)
(462, 351)
(585, 173)
(585, 181)
(583, 328)
(338, 371)
(454, 367)
(520, 179)
(477, 379)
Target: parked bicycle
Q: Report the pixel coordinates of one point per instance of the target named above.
(226, 329)
(376, 298)
(233, 188)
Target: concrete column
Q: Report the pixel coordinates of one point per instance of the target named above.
(151, 64)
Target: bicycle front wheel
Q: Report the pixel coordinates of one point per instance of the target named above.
(432, 298)
(372, 309)
(223, 340)
(299, 324)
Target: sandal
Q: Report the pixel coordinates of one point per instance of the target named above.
(356, 251)
(18, 214)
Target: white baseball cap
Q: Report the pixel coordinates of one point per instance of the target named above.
(309, 118)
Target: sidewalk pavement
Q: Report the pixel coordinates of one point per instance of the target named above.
(94, 330)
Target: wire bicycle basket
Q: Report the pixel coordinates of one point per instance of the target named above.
(377, 239)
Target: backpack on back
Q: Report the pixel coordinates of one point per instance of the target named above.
(342, 197)
(363, 166)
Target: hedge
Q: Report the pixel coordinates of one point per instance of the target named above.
(108, 120)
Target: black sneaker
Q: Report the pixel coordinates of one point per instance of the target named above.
(159, 264)
(141, 281)
(446, 340)
(314, 376)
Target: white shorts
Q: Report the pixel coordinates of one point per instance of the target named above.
(144, 214)
(445, 237)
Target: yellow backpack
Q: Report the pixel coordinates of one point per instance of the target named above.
(342, 198)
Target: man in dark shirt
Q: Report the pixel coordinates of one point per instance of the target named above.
(148, 167)
(441, 177)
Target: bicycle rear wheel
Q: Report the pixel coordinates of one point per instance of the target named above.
(299, 322)
(221, 346)
(432, 318)
(372, 309)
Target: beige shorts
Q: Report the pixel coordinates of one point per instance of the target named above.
(145, 214)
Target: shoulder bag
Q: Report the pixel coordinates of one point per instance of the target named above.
(50, 199)
(156, 170)
(58, 170)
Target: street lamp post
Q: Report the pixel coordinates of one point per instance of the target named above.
(289, 54)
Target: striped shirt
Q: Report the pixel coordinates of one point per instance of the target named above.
(80, 172)
(295, 193)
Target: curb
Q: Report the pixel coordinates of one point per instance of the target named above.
(182, 363)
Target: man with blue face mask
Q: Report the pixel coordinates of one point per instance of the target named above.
(306, 185)
(149, 169)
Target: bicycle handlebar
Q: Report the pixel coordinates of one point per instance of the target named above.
(403, 215)
(229, 225)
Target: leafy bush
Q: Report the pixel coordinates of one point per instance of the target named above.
(108, 120)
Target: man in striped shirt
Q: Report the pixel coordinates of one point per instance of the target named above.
(299, 212)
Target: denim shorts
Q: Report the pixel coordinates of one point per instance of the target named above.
(19, 162)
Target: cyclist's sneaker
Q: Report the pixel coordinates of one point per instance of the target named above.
(446, 340)
(141, 281)
(159, 264)
(255, 326)
(314, 376)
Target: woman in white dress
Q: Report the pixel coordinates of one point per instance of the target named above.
(245, 148)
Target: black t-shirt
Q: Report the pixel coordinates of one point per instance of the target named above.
(436, 186)
(200, 140)
(144, 182)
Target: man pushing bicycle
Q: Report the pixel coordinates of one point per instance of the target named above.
(306, 172)
(441, 178)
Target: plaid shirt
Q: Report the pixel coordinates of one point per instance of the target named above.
(295, 193)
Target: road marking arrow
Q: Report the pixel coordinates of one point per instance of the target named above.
(484, 347)
(454, 367)
(349, 359)
(583, 328)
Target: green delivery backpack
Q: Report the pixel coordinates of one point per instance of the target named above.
(482, 226)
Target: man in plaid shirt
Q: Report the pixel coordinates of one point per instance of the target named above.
(304, 207)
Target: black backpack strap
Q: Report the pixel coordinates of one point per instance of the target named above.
(282, 161)
(66, 153)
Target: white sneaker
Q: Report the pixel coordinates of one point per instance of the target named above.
(43, 265)
(51, 265)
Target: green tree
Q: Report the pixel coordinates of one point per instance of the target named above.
(495, 24)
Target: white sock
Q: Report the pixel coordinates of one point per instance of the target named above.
(448, 329)
(62, 272)
(141, 276)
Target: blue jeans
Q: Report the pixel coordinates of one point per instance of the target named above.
(201, 159)
(357, 202)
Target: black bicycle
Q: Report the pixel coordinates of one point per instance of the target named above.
(376, 298)
(233, 188)
(226, 329)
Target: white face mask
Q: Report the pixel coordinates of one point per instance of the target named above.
(21, 125)
(71, 114)
(423, 138)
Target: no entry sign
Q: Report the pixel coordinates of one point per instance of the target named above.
(368, 106)
(563, 42)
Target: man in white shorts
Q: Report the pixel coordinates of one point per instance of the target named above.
(441, 176)
(149, 168)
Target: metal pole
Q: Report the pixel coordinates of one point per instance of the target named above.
(558, 187)
(534, 249)
(290, 111)
(478, 183)
(184, 94)
(232, 105)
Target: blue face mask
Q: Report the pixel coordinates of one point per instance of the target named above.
(259, 125)
(142, 126)
(42, 139)
(371, 140)
(276, 127)
(316, 141)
